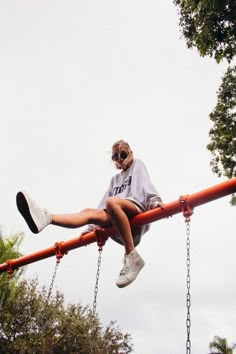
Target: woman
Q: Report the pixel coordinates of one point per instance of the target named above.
(130, 192)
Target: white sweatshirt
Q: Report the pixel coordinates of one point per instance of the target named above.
(135, 185)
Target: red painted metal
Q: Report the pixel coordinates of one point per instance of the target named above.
(185, 204)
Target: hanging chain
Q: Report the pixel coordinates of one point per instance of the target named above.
(94, 328)
(52, 282)
(188, 302)
(187, 212)
(101, 240)
(59, 254)
(97, 279)
(43, 324)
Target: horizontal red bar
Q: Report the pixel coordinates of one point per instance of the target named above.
(194, 200)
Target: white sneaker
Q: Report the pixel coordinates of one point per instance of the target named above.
(133, 263)
(36, 218)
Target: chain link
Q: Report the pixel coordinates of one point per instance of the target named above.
(97, 279)
(188, 280)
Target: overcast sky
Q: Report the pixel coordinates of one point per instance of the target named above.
(75, 76)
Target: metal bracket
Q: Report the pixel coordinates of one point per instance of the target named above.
(10, 269)
(101, 239)
(186, 207)
(58, 251)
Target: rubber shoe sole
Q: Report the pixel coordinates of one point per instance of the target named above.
(23, 208)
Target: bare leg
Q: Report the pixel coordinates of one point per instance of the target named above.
(85, 217)
(120, 211)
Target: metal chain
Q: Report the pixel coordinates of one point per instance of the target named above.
(97, 279)
(188, 302)
(42, 323)
(52, 282)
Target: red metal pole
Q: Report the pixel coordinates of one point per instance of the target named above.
(190, 201)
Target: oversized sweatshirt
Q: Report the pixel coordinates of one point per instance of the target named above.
(135, 185)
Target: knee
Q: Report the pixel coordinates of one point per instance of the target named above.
(88, 215)
(94, 216)
(86, 211)
(111, 204)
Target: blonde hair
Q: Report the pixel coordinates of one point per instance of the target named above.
(119, 143)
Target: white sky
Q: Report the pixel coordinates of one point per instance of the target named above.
(74, 77)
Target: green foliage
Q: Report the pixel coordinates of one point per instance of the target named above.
(9, 249)
(210, 26)
(223, 133)
(31, 324)
(220, 346)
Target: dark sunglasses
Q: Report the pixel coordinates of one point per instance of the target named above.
(119, 155)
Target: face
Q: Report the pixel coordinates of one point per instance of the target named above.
(122, 156)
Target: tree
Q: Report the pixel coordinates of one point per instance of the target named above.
(223, 133)
(32, 323)
(9, 249)
(210, 26)
(220, 346)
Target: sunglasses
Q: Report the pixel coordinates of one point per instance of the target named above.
(119, 155)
